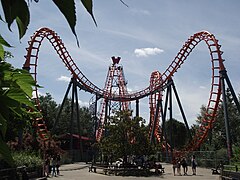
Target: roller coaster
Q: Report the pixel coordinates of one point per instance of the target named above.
(158, 83)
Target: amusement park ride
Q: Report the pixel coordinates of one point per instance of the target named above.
(161, 84)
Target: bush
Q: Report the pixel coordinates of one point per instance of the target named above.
(28, 159)
(236, 155)
(222, 155)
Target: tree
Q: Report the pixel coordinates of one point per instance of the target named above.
(87, 122)
(217, 136)
(49, 109)
(234, 123)
(15, 94)
(125, 136)
(15, 84)
(208, 141)
(176, 133)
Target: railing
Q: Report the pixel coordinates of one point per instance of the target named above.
(230, 172)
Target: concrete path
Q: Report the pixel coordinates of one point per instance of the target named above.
(80, 171)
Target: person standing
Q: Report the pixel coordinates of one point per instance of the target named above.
(47, 164)
(184, 165)
(175, 166)
(58, 164)
(53, 165)
(194, 165)
(179, 166)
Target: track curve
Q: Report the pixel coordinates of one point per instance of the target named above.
(155, 80)
(216, 61)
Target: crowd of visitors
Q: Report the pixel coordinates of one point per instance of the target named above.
(182, 162)
(52, 164)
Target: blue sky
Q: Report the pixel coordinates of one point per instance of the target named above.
(147, 35)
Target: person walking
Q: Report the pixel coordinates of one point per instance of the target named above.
(53, 165)
(194, 165)
(174, 165)
(179, 166)
(184, 165)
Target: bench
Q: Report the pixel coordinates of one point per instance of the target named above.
(230, 172)
(215, 171)
(126, 171)
(129, 169)
(133, 170)
(94, 167)
(218, 169)
(161, 170)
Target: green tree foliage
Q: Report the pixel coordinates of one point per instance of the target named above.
(15, 84)
(50, 110)
(64, 121)
(234, 121)
(87, 122)
(125, 136)
(176, 133)
(208, 141)
(27, 158)
(216, 140)
(15, 94)
(4, 54)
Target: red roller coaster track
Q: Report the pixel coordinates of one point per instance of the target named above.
(155, 80)
(215, 91)
(115, 78)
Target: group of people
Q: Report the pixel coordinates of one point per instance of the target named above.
(182, 162)
(52, 164)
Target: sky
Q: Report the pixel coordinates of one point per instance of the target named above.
(147, 35)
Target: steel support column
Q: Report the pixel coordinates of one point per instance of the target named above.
(226, 119)
(181, 109)
(78, 118)
(61, 107)
(137, 107)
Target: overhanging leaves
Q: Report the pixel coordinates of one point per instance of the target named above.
(11, 106)
(25, 81)
(89, 7)
(124, 3)
(22, 18)
(20, 78)
(4, 42)
(67, 7)
(16, 10)
(9, 9)
(1, 52)
(5, 152)
(3, 125)
(19, 96)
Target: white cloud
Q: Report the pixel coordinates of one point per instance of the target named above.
(140, 11)
(202, 87)
(129, 89)
(64, 78)
(83, 103)
(145, 52)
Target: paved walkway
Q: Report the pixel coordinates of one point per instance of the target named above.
(80, 171)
